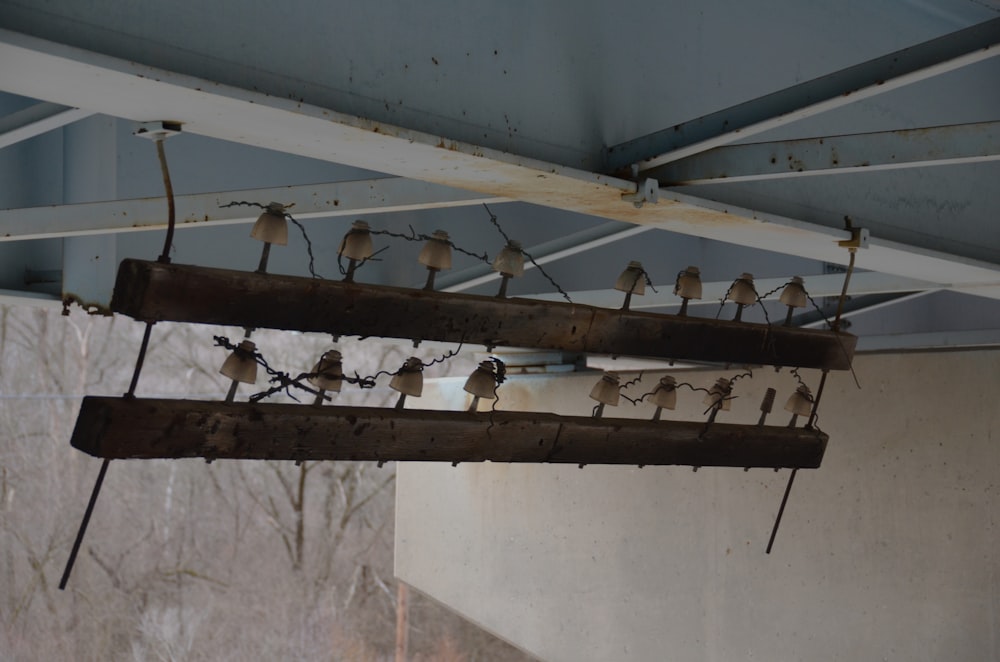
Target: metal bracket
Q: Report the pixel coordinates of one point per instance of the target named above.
(648, 190)
(157, 130)
(859, 239)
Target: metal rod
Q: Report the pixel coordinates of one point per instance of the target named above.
(83, 524)
(843, 292)
(628, 300)
(139, 360)
(351, 266)
(264, 254)
(504, 279)
(171, 210)
(819, 394)
(781, 510)
(766, 404)
(431, 272)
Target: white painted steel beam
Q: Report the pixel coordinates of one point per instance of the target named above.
(884, 150)
(931, 341)
(369, 196)
(58, 73)
(37, 119)
(863, 81)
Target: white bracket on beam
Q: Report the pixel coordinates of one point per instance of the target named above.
(157, 130)
(648, 190)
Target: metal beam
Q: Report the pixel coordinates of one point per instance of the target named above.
(42, 69)
(931, 341)
(37, 119)
(884, 150)
(154, 291)
(862, 81)
(140, 428)
(369, 196)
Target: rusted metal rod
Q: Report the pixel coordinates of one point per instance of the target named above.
(83, 524)
(781, 510)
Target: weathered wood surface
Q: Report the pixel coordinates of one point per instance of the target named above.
(152, 291)
(150, 428)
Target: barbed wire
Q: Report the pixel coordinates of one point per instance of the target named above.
(284, 381)
(496, 224)
(302, 229)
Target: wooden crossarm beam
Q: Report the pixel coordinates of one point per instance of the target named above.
(139, 428)
(153, 291)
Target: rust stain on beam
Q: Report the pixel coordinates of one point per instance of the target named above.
(119, 428)
(152, 291)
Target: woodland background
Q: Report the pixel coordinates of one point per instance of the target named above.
(186, 560)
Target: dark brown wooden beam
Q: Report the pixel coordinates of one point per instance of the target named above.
(152, 291)
(120, 428)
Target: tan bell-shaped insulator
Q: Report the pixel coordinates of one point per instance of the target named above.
(328, 372)
(482, 383)
(410, 378)
(436, 253)
(665, 395)
(357, 243)
(794, 294)
(633, 279)
(240, 365)
(606, 390)
(688, 284)
(510, 261)
(800, 403)
(272, 226)
(742, 291)
(718, 395)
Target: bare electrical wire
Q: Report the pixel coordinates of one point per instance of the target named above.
(496, 224)
(302, 229)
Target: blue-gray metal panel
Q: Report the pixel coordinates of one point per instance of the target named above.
(819, 95)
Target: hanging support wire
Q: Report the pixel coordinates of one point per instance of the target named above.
(859, 239)
(164, 130)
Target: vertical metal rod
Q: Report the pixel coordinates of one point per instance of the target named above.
(351, 266)
(429, 285)
(83, 524)
(264, 254)
(766, 404)
(139, 360)
(96, 491)
(781, 510)
(171, 211)
(502, 294)
(628, 300)
(684, 307)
